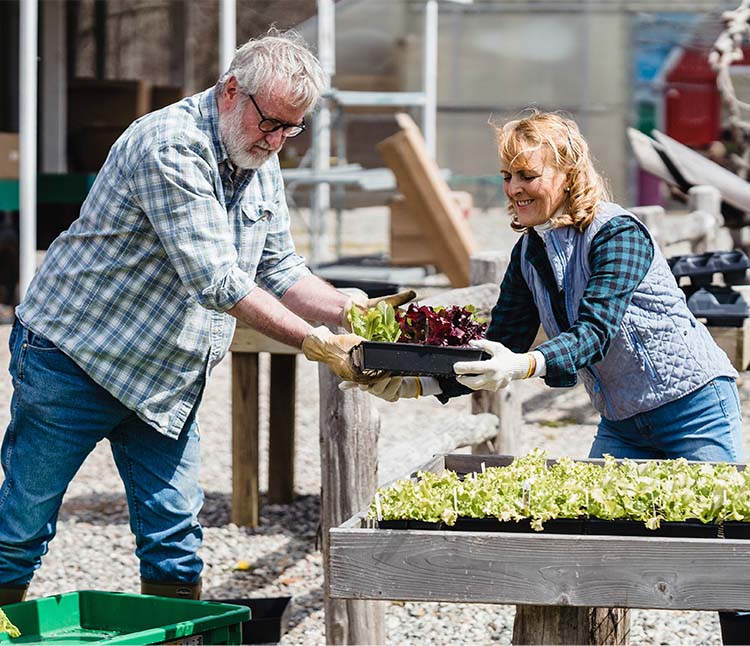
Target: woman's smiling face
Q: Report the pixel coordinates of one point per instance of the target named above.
(535, 188)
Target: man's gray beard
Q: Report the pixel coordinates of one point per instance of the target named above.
(235, 141)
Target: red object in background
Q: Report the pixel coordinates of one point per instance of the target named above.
(692, 107)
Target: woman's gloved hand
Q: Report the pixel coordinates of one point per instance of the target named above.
(497, 372)
(391, 388)
(364, 303)
(334, 351)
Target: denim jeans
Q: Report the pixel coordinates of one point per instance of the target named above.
(58, 415)
(705, 425)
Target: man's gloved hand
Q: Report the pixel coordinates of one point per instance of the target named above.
(364, 303)
(391, 388)
(334, 351)
(496, 372)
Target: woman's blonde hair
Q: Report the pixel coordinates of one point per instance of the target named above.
(565, 148)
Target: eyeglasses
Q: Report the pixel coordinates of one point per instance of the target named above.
(267, 124)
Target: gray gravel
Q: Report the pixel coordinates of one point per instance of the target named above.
(94, 548)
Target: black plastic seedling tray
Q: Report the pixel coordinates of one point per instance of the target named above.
(720, 305)
(589, 526)
(701, 267)
(413, 359)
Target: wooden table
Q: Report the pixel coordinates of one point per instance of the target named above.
(537, 569)
(246, 347)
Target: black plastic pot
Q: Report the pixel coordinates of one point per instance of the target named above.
(734, 529)
(700, 268)
(491, 525)
(673, 529)
(269, 618)
(412, 359)
(721, 306)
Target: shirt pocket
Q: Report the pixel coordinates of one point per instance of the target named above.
(259, 212)
(252, 234)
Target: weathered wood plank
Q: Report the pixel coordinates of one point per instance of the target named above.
(566, 625)
(281, 428)
(349, 428)
(539, 569)
(247, 339)
(429, 199)
(245, 495)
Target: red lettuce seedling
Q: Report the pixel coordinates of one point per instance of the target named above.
(444, 326)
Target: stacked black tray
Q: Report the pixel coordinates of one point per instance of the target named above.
(413, 359)
(720, 305)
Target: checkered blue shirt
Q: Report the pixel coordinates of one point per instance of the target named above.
(168, 239)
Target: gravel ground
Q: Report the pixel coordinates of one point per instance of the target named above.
(95, 550)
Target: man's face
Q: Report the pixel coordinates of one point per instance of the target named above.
(247, 145)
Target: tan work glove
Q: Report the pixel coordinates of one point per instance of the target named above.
(364, 303)
(497, 372)
(391, 388)
(334, 351)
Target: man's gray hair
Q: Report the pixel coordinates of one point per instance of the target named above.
(278, 59)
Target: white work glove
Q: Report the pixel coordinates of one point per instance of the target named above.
(334, 350)
(391, 388)
(496, 372)
(362, 302)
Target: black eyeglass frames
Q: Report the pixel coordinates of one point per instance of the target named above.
(267, 124)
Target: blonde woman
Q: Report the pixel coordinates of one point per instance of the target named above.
(596, 280)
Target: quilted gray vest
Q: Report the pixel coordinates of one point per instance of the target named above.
(660, 353)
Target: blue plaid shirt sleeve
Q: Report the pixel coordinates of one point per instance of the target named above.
(620, 256)
(174, 189)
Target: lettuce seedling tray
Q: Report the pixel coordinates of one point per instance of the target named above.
(413, 359)
(701, 267)
(534, 568)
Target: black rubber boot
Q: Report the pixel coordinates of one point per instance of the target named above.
(12, 594)
(173, 589)
(735, 627)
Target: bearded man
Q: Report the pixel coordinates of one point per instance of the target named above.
(185, 229)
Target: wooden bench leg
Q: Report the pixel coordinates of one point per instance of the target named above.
(245, 494)
(571, 625)
(281, 432)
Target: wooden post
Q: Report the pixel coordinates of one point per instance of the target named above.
(706, 200)
(490, 267)
(281, 428)
(245, 495)
(349, 429)
(571, 625)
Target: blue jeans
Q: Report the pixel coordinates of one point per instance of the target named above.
(705, 425)
(58, 414)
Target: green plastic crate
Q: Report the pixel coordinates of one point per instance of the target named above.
(118, 618)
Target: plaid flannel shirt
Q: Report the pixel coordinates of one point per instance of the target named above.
(169, 238)
(620, 256)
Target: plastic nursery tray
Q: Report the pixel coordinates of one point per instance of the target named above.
(118, 618)
(722, 306)
(700, 268)
(589, 526)
(413, 359)
(269, 618)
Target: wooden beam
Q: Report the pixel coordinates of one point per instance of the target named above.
(430, 201)
(540, 569)
(245, 493)
(281, 428)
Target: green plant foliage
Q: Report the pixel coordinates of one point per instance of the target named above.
(651, 492)
(376, 324)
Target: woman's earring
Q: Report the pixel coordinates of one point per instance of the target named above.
(567, 189)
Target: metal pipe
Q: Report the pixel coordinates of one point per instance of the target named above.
(28, 135)
(227, 33)
(321, 196)
(429, 117)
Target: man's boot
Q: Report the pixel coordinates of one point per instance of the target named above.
(12, 594)
(173, 589)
